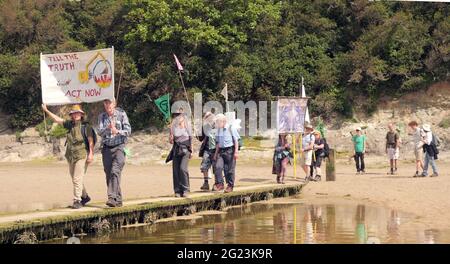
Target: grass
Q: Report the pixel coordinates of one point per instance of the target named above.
(445, 123)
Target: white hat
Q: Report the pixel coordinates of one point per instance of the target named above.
(426, 127)
(358, 129)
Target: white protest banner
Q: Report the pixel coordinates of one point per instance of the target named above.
(75, 77)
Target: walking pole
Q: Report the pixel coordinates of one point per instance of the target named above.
(295, 156)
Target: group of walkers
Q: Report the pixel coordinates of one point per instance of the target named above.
(219, 151)
(312, 152)
(114, 129)
(425, 149)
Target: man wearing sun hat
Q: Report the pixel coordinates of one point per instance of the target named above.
(430, 150)
(307, 149)
(76, 150)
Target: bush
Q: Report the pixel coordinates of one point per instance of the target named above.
(58, 131)
(445, 123)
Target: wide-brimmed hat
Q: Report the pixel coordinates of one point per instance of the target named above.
(76, 109)
(426, 127)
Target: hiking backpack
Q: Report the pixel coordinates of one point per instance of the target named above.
(85, 137)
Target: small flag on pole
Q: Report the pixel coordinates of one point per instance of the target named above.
(307, 111)
(179, 66)
(163, 104)
(224, 92)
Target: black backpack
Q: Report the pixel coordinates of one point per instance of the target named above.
(326, 149)
(85, 137)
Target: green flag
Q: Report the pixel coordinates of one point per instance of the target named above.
(163, 104)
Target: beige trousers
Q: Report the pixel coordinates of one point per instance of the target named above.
(77, 171)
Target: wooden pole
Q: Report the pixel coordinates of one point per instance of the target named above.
(331, 166)
(295, 156)
(189, 105)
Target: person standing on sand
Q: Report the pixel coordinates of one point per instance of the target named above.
(76, 151)
(319, 145)
(359, 143)
(208, 148)
(418, 135)
(431, 151)
(307, 150)
(281, 158)
(392, 148)
(181, 153)
(114, 128)
(226, 155)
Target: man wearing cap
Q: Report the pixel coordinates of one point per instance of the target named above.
(114, 128)
(307, 149)
(76, 150)
(430, 150)
(359, 144)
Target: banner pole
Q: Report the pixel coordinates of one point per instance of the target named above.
(295, 156)
(118, 86)
(187, 99)
(45, 126)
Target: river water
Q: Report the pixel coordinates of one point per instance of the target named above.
(284, 221)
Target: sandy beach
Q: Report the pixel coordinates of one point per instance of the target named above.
(41, 186)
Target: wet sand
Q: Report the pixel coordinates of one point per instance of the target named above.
(426, 198)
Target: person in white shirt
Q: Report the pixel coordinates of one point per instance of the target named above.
(417, 134)
(430, 150)
(307, 149)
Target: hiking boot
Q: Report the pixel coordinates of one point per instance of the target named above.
(76, 205)
(218, 187)
(434, 175)
(85, 200)
(205, 187)
(111, 203)
(229, 189)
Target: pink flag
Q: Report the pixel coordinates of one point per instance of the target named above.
(179, 66)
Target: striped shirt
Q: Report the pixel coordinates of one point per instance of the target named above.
(122, 125)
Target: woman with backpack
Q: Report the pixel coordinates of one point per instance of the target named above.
(79, 134)
(281, 158)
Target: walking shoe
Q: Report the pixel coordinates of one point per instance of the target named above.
(416, 175)
(185, 195)
(85, 200)
(177, 195)
(218, 187)
(434, 175)
(76, 205)
(119, 204)
(229, 189)
(318, 178)
(205, 187)
(111, 203)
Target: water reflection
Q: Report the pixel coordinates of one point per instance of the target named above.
(285, 223)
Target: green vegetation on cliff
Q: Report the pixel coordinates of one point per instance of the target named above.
(349, 52)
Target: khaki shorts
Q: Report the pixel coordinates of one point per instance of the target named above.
(307, 158)
(393, 153)
(418, 153)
